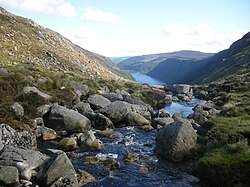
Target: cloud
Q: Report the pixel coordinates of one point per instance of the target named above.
(96, 15)
(49, 7)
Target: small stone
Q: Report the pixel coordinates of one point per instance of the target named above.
(17, 109)
(84, 177)
(131, 158)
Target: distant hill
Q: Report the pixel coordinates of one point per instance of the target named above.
(145, 63)
(117, 60)
(25, 42)
(235, 60)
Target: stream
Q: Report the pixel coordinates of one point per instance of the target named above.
(148, 170)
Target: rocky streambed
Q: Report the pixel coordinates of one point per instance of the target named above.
(107, 139)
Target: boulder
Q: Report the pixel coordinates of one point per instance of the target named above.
(88, 141)
(61, 118)
(179, 89)
(135, 119)
(67, 144)
(103, 90)
(25, 160)
(9, 136)
(101, 122)
(57, 171)
(80, 89)
(16, 109)
(174, 141)
(117, 111)
(37, 122)
(184, 97)
(201, 94)
(134, 100)
(44, 109)
(83, 108)
(97, 101)
(28, 89)
(162, 113)
(114, 96)
(9, 176)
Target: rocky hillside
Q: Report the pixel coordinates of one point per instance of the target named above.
(22, 41)
(233, 61)
(145, 63)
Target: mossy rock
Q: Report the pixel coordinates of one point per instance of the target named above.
(105, 133)
(131, 158)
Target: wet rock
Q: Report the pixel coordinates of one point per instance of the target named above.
(88, 141)
(17, 109)
(105, 133)
(83, 108)
(131, 158)
(9, 136)
(25, 160)
(101, 122)
(9, 176)
(61, 118)
(57, 171)
(111, 164)
(174, 141)
(28, 89)
(176, 116)
(162, 121)
(184, 97)
(84, 177)
(67, 144)
(45, 133)
(98, 101)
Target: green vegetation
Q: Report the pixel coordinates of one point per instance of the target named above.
(226, 166)
(226, 161)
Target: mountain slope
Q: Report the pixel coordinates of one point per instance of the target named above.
(145, 63)
(22, 41)
(235, 60)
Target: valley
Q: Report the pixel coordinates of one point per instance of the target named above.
(72, 117)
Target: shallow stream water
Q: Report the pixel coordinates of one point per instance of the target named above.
(147, 171)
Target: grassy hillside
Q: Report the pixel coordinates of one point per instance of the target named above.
(233, 61)
(22, 41)
(145, 63)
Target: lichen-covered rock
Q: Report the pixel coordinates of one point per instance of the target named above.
(80, 89)
(9, 176)
(9, 136)
(98, 101)
(174, 141)
(57, 171)
(61, 118)
(25, 160)
(17, 109)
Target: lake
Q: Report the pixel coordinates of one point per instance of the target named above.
(184, 108)
(142, 78)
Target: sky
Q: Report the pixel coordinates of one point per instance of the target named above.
(118, 28)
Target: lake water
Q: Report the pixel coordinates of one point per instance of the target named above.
(141, 78)
(184, 108)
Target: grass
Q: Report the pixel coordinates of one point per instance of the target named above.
(226, 166)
